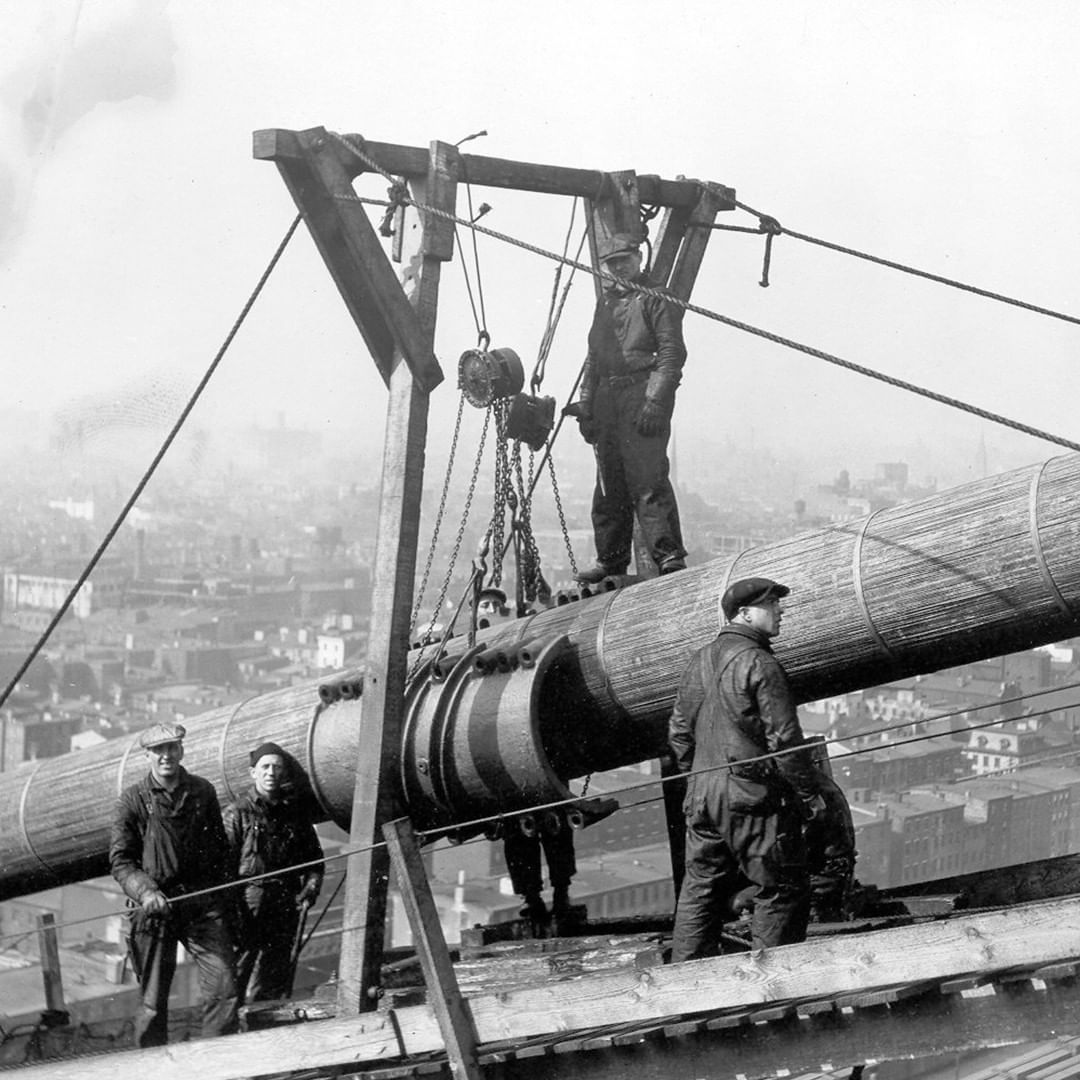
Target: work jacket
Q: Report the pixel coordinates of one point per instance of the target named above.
(634, 334)
(734, 702)
(265, 836)
(168, 840)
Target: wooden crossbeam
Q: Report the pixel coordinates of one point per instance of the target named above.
(1031, 934)
(411, 161)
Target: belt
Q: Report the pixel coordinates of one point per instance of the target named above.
(630, 376)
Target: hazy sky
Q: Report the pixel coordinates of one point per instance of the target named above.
(134, 221)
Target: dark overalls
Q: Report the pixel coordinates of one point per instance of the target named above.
(636, 352)
(743, 821)
(174, 841)
(263, 837)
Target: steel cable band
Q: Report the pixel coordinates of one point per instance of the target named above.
(22, 819)
(725, 581)
(1036, 541)
(123, 767)
(309, 749)
(601, 633)
(860, 595)
(221, 746)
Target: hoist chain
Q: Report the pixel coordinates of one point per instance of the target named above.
(562, 516)
(529, 554)
(460, 534)
(438, 519)
(504, 491)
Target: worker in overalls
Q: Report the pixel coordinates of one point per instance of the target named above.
(632, 370)
(269, 829)
(168, 841)
(744, 815)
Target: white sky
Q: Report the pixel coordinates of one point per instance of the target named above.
(940, 134)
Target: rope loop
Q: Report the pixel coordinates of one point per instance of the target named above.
(483, 340)
(769, 225)
(398, 194)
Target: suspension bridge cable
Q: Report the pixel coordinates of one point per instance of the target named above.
(771, 225)
(151, 469)
(736, 324)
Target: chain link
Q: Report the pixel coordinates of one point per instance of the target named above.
(562, 516)
(504, 492)
(438, 518)
(529, 556)
(445, 588)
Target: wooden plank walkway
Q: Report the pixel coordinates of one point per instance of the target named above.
(989, 978)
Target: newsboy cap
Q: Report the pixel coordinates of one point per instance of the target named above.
(160, 734)
(620, 244)
(493, 593)
(749, 591)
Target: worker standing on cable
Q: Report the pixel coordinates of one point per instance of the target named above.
(735, 705)
(270, 829)
(168, 841)
(632, 370)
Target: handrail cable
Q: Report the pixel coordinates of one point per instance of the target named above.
(736, 324)
(151, 469)
(771, 226)
(493, 819)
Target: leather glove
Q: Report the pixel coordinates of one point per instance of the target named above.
(308, 893)
(652, 420)
(588, 428)
(154, 902)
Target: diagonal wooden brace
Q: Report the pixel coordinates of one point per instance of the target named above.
(311, 164)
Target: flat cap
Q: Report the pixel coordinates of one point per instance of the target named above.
(160, 734)
(620, 244)
(749, 591)
(493, 593)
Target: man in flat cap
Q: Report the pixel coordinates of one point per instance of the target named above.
(744, 816)
(491, 607)
(269, 829)
(168, 841)
(632, 370)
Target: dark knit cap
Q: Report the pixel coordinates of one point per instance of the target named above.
(267, 748)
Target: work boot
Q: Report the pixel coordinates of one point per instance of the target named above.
(672, 564)
(560, 901)
(534, 909)
(595, 574)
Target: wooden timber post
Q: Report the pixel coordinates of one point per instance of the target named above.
(397, 320)
(444, 996)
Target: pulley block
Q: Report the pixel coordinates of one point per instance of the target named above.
(485, 376)
(530, 419)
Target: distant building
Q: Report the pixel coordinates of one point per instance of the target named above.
(32, 595)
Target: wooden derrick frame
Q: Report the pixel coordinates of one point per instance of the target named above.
(318, 168)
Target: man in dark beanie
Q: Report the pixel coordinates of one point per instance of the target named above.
(270, 829)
